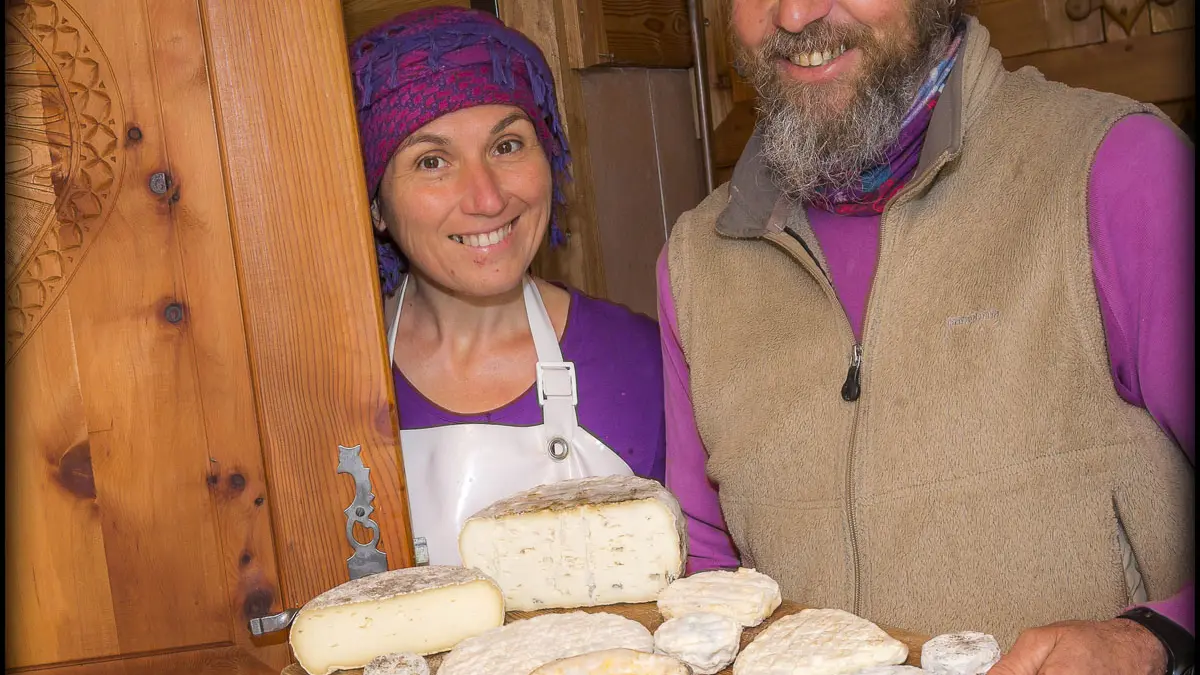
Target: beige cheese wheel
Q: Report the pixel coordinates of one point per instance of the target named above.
(421, 610)
(579, 543)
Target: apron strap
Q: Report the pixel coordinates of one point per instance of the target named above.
(557, 389)
(391, 316)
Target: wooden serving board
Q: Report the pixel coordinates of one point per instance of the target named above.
(647, 614)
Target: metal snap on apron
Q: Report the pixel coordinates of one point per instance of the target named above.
(455, 470)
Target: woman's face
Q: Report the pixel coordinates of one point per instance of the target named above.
(468, 197)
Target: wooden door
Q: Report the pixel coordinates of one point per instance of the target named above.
(192, 329)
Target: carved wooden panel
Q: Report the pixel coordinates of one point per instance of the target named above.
(140, 536)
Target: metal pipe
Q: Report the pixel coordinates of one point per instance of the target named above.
(696, 22)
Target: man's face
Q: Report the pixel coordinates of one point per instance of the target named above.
(835, 79)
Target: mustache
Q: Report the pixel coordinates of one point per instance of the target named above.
(818, 36)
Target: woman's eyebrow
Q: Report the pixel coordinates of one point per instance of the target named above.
(500, 126)
(423, 138)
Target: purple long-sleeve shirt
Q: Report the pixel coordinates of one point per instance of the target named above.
(1141, 224)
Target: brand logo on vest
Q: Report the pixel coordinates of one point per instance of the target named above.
(981, 315)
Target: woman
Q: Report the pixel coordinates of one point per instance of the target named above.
(503, 382)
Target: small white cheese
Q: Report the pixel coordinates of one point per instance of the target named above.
(819, 642)
(615, 662)
(423, 610)
(526, 644)
(964, 653)
(397, 664)
(579, 543)
(705, 641)
(746, 596)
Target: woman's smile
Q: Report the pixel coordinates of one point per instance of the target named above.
(490, 240)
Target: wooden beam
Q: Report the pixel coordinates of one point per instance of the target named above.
(580, 262)
(648, 33)
(310, 292)
(1150, 68)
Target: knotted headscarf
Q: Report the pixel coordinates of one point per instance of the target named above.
(430, 62)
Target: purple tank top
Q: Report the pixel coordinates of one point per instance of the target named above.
(618, 366)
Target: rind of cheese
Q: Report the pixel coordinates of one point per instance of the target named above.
(705, 641)
(423, 610)
(397, 664)
(962, 653)
(819, 642)
(746, 595)
(524, 645)
(615, 662)
(579, 543)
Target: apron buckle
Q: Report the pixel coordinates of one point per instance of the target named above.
(556, 381)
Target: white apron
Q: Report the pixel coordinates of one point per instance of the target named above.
(453, 471)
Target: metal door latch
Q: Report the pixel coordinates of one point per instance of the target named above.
(367, 558)
(271, 624)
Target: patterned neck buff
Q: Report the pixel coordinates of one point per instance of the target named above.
(430, 62)
(880, 184)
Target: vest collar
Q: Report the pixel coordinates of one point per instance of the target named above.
(756, 206)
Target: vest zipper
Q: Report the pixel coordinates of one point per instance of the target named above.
(852, 387)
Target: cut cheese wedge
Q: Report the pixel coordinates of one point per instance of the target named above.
(579, 543)
(421, 610)
(615, 662)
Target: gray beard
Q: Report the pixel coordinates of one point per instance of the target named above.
(806, 148)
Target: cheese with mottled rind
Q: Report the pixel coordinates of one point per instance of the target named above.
(963, 653)
(819, 642)
(745, 595)
(423, 610)
(615, 662)
(522, 646)
(705, 641)
(579, 543)
(397, 664)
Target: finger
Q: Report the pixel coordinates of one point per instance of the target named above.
(1027, 655)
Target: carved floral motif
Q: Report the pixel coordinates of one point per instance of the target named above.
(63, 159)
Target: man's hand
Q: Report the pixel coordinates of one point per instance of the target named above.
(1115, 647)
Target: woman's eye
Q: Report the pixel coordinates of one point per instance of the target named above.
(431, 163)
(508, 146)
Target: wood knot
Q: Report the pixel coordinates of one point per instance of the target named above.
(258, 602)
(75, 471)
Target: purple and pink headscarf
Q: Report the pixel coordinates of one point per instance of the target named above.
(430, 62)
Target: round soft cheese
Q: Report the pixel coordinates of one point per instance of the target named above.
(615, 662)
(705, 641)
(746, 596)
(522, 646)
(819, 642)
(962, 653)
(397, 664)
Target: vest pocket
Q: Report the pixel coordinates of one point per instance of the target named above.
(1134, 585)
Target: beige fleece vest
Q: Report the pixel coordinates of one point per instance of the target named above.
(988, 477)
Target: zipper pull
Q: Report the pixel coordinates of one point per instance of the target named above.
(850, 389)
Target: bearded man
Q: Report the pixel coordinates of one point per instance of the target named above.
(929, 352)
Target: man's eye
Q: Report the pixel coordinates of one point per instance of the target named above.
(431, 163)
(508, 146)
